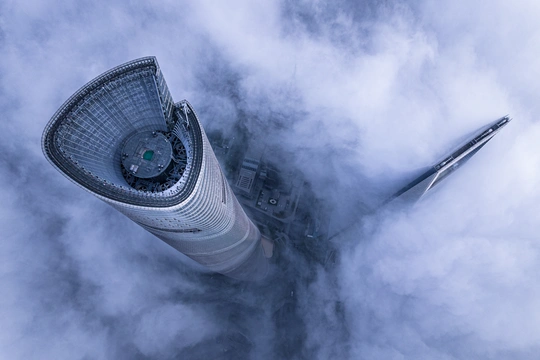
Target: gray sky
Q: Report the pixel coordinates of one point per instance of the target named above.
(357, 94)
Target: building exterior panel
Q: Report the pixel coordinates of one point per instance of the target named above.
(189, 204)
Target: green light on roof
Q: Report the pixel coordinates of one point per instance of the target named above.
(148, 155)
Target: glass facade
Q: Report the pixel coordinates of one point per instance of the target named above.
(183, 198)
(440, 171)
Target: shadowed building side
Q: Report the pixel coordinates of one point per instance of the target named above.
(122, 138)
(433, 175)
(438, 172)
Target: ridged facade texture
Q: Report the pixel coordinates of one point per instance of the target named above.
(194, 209)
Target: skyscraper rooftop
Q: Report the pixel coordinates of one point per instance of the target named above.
(122, 138)
(417, 188)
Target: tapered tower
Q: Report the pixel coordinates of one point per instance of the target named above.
(416, 189)
(122, 138)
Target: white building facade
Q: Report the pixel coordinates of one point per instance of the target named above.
(122, 138)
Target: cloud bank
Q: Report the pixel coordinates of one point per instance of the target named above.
(355, 95)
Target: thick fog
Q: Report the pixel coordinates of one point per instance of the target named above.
(354, 94)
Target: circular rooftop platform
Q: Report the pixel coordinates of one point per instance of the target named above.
(147, 155)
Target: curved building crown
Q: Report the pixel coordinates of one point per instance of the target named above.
(122, 138)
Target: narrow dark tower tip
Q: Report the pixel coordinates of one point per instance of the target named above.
(416, 189)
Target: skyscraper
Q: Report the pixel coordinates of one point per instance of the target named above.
(122, 138)
(417, 188)
(425, 180)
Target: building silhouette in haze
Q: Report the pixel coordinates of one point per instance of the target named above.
(122, 138)
(417, 188)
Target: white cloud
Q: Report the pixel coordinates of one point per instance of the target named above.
(357, 95)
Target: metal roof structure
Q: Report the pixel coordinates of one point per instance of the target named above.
(122, 138)
(416, 189)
